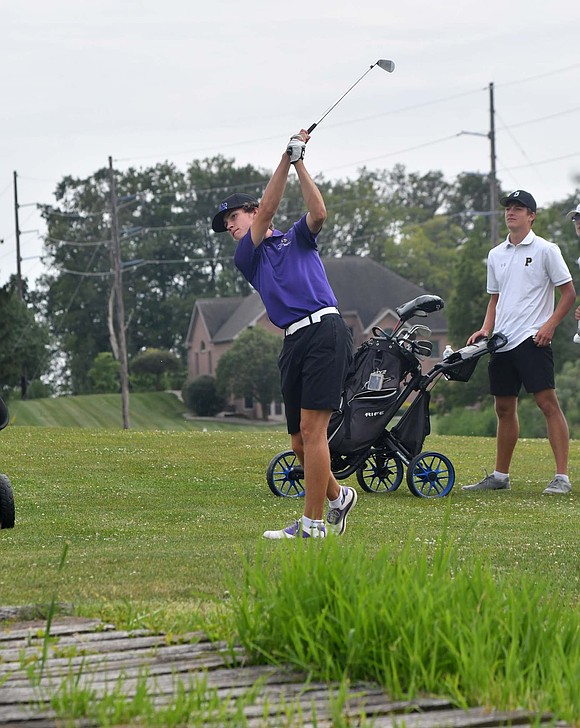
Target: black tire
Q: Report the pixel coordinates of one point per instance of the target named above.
(430, 475)
(285, 474)
(7, 511)
(380, 473)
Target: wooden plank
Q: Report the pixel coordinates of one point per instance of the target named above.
(32, 631)
(170, 659)
(100, 657)
(12, 653)
(475, 717)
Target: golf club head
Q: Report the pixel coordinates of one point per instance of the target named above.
(388, 66)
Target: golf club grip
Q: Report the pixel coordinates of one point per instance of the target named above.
(311, 128)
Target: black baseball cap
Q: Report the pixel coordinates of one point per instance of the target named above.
(522, 197)
(233, 202)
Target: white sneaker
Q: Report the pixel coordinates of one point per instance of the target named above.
(490, 482)
(336, 517)
(558, 486)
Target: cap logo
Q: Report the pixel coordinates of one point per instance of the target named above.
(223, 206)
(515, 194)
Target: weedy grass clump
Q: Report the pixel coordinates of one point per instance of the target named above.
(415, 621)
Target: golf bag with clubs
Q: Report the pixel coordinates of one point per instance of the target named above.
(6, 493)
(387, 372)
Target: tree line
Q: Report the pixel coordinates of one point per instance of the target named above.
(431, 231)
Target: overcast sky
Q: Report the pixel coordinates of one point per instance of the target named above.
(147, 81)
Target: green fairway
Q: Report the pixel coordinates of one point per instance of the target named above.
(162, 530)
(165, 516)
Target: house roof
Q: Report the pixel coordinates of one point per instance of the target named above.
(214, 312)
(361, 286)
(246, 314)
(370, 289)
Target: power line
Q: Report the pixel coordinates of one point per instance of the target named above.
(400, 151)
(391, 112)
(544, 161)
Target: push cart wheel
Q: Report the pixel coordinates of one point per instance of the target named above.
(285, 474)
(6, 503)
(430, 475)
(380, 473)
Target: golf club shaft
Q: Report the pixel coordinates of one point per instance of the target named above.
(313, 126)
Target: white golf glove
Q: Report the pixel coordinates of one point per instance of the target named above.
(296, 148)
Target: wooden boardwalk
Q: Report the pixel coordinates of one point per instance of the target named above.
(85, 653)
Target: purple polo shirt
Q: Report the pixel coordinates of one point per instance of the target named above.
(287, 272)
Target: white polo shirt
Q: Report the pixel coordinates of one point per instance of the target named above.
(525, 277)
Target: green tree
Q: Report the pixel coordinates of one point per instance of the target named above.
(104, 375)
(201, 396)
(156, 363)
(24, 354)
(170, 256)
(250, 368)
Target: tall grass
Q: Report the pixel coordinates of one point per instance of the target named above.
(413, 622)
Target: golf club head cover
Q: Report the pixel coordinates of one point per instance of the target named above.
(296, 148)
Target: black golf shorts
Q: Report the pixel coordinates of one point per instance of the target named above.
(527, 364)
(313, 366)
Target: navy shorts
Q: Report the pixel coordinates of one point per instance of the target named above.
(527, 364)
(313, 366)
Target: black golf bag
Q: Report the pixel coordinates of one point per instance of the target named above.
(370, 395)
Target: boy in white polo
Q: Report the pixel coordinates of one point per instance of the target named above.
(522, 275)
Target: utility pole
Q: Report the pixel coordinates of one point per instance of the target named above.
(17, 234)
(23, 373)
(492, 176)
(118, 292)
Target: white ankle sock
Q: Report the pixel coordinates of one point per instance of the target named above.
(563, 476)
(338, 501)
(500, 476)
(312, 526)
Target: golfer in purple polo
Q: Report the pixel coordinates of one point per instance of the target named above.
(286, 270)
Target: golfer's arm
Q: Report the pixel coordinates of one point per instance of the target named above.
(313, 199)
(489, 320)
(567, 300)
(270, 201)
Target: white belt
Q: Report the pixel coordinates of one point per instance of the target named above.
(313, 318)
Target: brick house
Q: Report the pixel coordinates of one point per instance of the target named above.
(367, 294)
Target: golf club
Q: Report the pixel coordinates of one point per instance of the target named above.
(388, 66)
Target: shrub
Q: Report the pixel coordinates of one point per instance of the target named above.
(462, 421)
(104, 374)
(151, 367)
(201, 397)
(38, 390)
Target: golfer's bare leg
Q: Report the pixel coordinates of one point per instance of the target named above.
(558, 433)
(508, 430)
(318, 480)
(332, 488)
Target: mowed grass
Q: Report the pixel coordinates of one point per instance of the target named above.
(161, 516)
(147, 411)
(162, 529)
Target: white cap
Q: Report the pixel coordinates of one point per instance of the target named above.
(572, 214)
